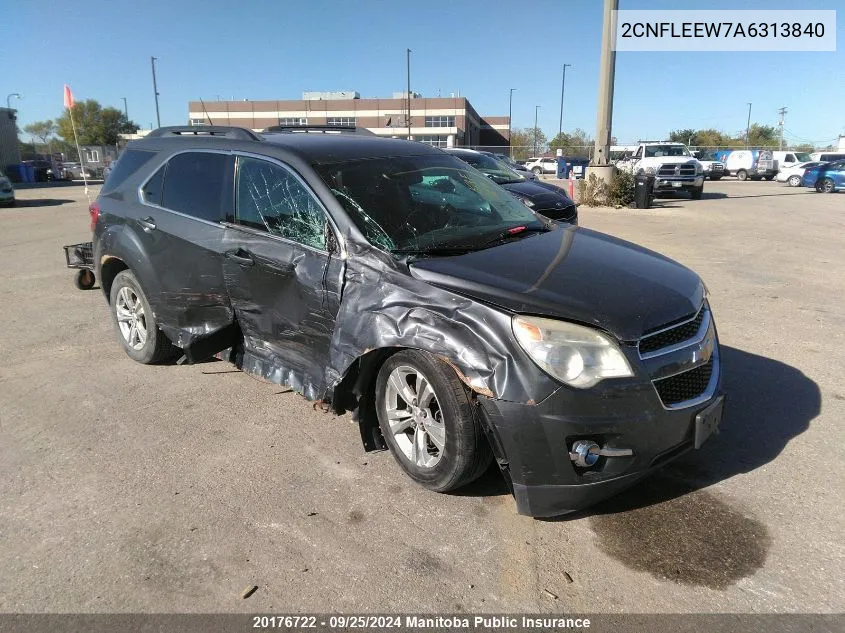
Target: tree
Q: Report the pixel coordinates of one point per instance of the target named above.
(522, 142)
(576, 144)
(95, 125)
(804, 147)
(687, 137)
(760, 136)
(42, 130)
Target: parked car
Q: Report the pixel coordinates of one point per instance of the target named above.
(788, 159)
(512, 164)
(713, 169)
(749, 164)
(792, 175)
(7, 191)
(75, 171)
(546, 199)
(673, 167)
(541, 165)
(827, 156)
(455, 328)
(826, 178)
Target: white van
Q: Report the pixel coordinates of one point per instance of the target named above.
(790, 159)
(827, 157)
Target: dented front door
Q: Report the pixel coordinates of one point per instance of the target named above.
(282, 280)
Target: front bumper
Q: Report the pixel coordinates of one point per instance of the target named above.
(678, 183)
(535, 440)
(7, 197)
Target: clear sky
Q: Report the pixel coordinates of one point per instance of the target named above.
(275, 49)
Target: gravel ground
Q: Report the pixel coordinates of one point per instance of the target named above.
(128, 488)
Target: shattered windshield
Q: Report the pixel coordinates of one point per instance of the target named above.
(653, 151)
(424, 202)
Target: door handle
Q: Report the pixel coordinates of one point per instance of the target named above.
(147, 223)
(242, 257)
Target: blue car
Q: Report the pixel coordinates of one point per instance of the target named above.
(827, 177)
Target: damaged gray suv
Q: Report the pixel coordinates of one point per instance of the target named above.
(389, 279)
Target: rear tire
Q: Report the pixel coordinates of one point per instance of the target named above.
(825, 185)
(768, 177)
(537, 171)
(440, 422)
(794, 181)
(135, 322)
(742, 175)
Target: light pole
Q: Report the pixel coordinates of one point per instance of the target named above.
(16, 95)
(536, 108)
(604, 114)
(125, 109)
(155, 90)
(408, 73)
(747, 126)
(510, 116)
(562, 86)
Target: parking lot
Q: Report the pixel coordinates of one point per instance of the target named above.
(174, 488)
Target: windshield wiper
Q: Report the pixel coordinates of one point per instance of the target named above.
(517, 232)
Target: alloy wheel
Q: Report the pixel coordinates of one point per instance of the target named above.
(131, 318)
(415, 416)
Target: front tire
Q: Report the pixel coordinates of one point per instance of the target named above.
(695, 192)
(135, 322)
(742, 175)
(794, 181)
(537, 171)
(429, 421)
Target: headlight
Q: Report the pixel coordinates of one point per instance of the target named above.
(650, 170)
(576, 355)
(699, 168)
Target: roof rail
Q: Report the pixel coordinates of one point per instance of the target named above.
(224, 131)
(336, 129)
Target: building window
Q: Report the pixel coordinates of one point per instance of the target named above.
(348, 121)
(92, 156)
(440, 121)
(293, 120)
(436, 141)
(199, 122)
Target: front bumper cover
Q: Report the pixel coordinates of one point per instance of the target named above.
(622, 413)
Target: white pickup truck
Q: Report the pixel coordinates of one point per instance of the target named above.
(671, 164)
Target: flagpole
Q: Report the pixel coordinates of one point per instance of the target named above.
(78, 151)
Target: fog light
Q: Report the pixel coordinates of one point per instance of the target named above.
(584, 453)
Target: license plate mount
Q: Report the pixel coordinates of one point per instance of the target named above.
(707, 421)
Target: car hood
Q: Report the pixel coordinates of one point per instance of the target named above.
(574, 274)
(662, 160)
(538, 193)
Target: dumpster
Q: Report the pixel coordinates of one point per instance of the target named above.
(644, 192)
(562, 168)
(15, 173)
(578, 166)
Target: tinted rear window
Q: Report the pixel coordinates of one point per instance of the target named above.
(199, 184)
(128, 163)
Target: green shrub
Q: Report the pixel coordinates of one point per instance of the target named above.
(593, 192)
(621, 190)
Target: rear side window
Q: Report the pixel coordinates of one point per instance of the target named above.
(199, 184)
(152, 190)
(128, 163)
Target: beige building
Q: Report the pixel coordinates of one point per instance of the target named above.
(433, 121)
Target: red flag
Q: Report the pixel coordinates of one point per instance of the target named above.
(68, 97)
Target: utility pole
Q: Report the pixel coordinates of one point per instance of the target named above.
(408, 61)
(782, 112)
(155, 90)
(536, 107)
(747, 126)
(604, 117)
(125, 109)
(562, 87)
(510, 116)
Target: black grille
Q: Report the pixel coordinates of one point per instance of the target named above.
(671, 337)
(669, 170)
(685, 386)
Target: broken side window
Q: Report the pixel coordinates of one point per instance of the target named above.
(270, 198)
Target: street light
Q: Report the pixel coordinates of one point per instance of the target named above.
(125, 109)
(155, 89)
(747, 126)
(510, 115)
(562, 86)
(17, 95)
(535, 129)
